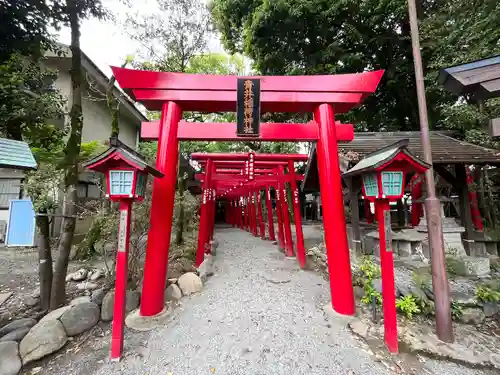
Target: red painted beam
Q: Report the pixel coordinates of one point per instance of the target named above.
(225, 101)
(277, 132)
(244, 156)
(365, 82)
(241, 163)
(236, 179)
(238, 171)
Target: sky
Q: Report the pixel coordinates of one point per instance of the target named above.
(105, 42)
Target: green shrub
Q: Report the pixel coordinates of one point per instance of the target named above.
(486, 294)
(408, 306)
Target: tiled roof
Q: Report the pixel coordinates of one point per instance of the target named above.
(16, 154)
(445, 149)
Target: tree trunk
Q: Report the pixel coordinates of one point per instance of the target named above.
(72, 151)
(44, 260)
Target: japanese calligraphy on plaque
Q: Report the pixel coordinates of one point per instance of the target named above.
(122, 234)
(248, 108)
(387, 227)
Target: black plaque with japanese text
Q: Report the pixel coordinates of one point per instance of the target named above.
(248, 108)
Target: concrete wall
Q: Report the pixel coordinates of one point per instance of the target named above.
(96, 116)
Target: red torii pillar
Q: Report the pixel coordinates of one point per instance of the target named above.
(270, 218)
(317, 94)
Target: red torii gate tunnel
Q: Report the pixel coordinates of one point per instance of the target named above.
(239, 180)
(173, 93)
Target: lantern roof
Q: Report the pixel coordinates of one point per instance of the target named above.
(378, 159)
(120, 151)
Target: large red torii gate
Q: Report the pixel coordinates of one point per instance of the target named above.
(173, 93)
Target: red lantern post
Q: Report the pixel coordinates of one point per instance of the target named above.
(383, 174)
(126, 176)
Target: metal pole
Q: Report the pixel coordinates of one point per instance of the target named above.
(444, 328)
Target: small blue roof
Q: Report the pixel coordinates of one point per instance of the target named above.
(16, 155)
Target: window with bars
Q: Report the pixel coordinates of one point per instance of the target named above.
(121, 182)
(392, 183)
(371, 185)
(10, 188)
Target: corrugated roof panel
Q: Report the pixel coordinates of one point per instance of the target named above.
(16, 154)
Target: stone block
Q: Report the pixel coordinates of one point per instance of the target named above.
(404, 248)
(492, 248)
(478, 249)
(471, 266)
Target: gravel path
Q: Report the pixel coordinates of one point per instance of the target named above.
(259, 314)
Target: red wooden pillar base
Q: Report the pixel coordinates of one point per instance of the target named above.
(270, 219)
(162, 212)
(337, 247)
(121, 280)
(388, 284)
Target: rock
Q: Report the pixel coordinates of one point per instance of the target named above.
(10, 363)
(96, 275)
(470, 266)
(4, 297)
(173, 293)
(190, 283)
(464, 299)
(419, 293)
(87, 286)
(360, 328)
(172, 281)
(43, 339)
(80, 318)
(402, 289)
(36, 293)
(79, 275)
(54, 315)
(131, 303)
(98, 296)
(472, 315)
(16, 335)
(491, 309)
(17, 324)
(30, 301)
(78, 300)
(206, 268)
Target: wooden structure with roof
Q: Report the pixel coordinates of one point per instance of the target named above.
(450, 158)
(480, 80)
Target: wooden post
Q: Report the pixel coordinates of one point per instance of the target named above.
(387, 267)
(121, 280)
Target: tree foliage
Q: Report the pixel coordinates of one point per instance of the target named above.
(340, 36)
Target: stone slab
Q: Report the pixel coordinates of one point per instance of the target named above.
(140, 323)
(473, 266)
(4, 297)
(335, 316)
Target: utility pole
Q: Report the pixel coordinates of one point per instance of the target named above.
(444, 328)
